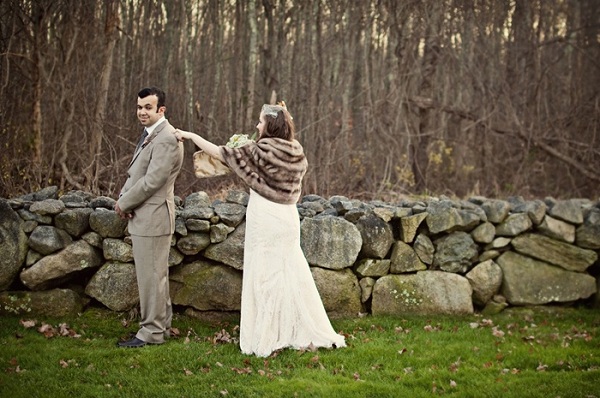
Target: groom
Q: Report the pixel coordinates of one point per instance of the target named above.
(147, 201)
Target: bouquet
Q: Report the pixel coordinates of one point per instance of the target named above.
(239, 140)
(207, 166)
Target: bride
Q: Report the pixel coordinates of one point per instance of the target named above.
(281, 306)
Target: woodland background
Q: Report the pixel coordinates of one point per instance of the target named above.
(390, 97)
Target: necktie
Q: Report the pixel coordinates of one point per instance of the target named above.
(141, 141)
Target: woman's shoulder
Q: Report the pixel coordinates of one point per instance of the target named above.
(282, 144)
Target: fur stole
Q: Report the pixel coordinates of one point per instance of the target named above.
(273, 167)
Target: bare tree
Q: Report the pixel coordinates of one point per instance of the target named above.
(389, 97)
(97, 133)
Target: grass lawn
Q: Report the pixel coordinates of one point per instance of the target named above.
(522, 352)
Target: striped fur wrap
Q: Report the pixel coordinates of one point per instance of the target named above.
(273, 167)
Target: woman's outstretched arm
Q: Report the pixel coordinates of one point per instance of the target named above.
(207, 146)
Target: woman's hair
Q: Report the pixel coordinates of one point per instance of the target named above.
(278, 123)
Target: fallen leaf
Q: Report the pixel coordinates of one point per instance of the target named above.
(454, 366)
(47, 330)
(27, 324)
(496, 332)
(541, 367)
(242, 371)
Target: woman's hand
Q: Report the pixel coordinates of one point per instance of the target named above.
(180, 135)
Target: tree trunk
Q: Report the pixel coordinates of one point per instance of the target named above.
(95, 149)
(252, 62)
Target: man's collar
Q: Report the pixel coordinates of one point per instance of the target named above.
(150, 129)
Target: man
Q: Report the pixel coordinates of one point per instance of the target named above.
(147, 201)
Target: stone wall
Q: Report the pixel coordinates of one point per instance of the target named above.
(61, 253)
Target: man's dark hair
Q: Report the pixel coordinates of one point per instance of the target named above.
(162, 97)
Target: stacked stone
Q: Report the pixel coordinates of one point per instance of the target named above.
(429, 256)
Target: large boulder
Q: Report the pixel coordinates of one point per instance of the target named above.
(496, 210)
(115, 286)
(426, 292)
(107, 223)
(567, 210)
(455, 252)
(330, 242)
(442, 217)
(527, 281)
(49, 207)
(193, 243)
(372, 267)
(56, 268)
(485, 279)
(117, 250)
(75, 221)
(231, 250)
(232, 214)
(514, 225)
(46, 239)
(567, 256)
(405, 259)
(409, 226)
(339, 291)
(197, 199)
(13, 244)
(535, 209)
(588, 234)
(557, 229)
(377, 236)
(206, 286)
(55, 303)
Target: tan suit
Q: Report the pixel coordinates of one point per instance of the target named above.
(148, 193)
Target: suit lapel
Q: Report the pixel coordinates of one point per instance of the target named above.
(156, 131)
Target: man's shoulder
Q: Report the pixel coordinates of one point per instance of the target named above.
(166, 133)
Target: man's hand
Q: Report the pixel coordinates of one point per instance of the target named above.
(121, 213)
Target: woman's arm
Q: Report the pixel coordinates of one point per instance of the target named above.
(207, 146)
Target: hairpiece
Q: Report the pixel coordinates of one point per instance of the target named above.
(272, 110)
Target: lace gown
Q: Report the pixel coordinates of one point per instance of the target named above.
(281, 306)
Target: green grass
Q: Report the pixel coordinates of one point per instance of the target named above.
(541, 352)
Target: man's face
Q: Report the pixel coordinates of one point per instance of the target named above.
(147, 110)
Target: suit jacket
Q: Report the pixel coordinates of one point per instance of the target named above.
(149, 190)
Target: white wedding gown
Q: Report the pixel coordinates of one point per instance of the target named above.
(281, 306)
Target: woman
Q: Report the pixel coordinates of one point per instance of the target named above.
(281, 306)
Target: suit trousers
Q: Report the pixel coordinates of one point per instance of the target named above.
(151, 256)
